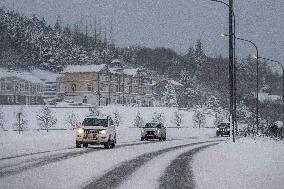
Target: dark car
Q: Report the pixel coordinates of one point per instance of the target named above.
(223, 129)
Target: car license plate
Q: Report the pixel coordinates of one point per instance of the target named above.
(92, 136)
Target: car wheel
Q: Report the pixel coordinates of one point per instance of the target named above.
(142, 138)
(85, 145)
(107, 145)
(165, 137)
(161, 138)
(78, 145)
(112, 144)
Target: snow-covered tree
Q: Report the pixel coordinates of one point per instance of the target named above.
(178, 118)
(72, 120)
(158, 117)
(218, 119)
(46, 119)
(138, 121)
(116, 118)
(2, 120)
(198, 119)
(94, 111)
(21, 122)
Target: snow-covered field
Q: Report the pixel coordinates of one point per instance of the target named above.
(33, 140)
(39, 159)
(249, 163)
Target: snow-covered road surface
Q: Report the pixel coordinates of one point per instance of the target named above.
(81, 168)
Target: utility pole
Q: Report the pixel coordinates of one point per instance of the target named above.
(231, 71)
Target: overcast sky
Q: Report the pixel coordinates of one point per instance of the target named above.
(172, 23)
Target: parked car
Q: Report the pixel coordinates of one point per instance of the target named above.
(153, 131)
(223, 129)
(96, 130)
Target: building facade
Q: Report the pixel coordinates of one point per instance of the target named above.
(103, 85)
(20, 88)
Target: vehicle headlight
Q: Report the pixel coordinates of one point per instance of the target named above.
(142, 131)
(80, 130)
(158, 131)
(102, 132)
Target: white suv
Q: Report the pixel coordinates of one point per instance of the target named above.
(96, 130)
(154, 131)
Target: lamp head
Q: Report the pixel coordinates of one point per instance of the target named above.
(254, 56)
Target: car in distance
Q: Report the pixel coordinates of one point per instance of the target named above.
(96, 130)
(223, 129)
(153, 131)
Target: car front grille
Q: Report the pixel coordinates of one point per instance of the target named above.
(150, 132)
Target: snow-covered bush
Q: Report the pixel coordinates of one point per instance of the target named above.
(116, 118)
(21, 123)
(72, 120)
(158, 117)
(177, 119)
(198, 119)
(138, 121)
(46, 119)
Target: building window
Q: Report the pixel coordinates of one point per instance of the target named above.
(103, 87)
(73, 87)
(104, 77)
(2, 84)
(89, 87)
(9, 86)
(17, 87)
(136, 80)
(130, 89)
(136, 90)
(27, 87)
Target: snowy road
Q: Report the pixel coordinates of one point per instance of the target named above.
(99, 168)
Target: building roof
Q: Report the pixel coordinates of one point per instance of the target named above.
(28, 76)
(45, 75)
(84, 68)
(172, 82)
(131, 72)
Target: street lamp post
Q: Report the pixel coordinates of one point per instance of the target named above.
(257, 70)
(232, 67)
(282, 66)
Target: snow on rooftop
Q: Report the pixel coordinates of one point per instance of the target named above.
(131, 72)
(173, 82)
(265, 96)
(28, 76)
(45, 75)
(115, 70)
(84, 68)
(115, 61)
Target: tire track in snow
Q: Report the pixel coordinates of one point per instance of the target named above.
(116, 176)
(37, 162)
(179, 173)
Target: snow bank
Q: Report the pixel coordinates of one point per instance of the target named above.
(245, 164)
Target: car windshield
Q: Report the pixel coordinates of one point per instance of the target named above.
(224, 125)
(95, 122)
(153, 125)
